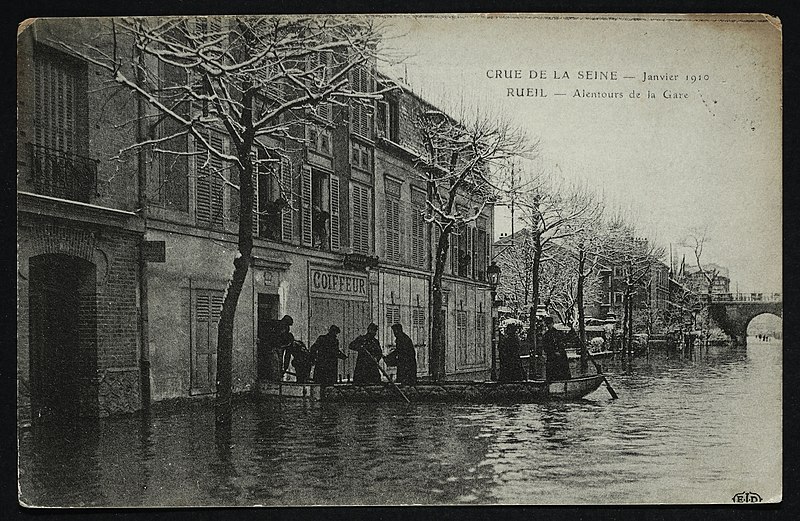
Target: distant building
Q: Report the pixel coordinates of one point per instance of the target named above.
(697, 280)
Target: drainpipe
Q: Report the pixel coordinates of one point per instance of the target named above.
(144, 338)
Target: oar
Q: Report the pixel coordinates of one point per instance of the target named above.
(599, 369)
(366, 350)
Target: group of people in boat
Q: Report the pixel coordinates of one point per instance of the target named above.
(324, 355)
(553, 343)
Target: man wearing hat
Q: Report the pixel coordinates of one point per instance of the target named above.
(557, 364)
(369, 352)
(404, 357)
(325, 354)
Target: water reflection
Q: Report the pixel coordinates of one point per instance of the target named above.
(682, 431)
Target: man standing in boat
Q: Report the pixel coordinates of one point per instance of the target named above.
(404, 357)
(325, 354)
(369, 352)
(557, 365)
(510, 362)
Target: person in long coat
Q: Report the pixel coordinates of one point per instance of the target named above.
(325, 354)
(557, 365)
(367, 371)
(404, 357)
(510, 362)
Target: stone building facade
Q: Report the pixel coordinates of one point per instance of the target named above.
(124, 259)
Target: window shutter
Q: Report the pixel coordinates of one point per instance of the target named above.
(392, 229)
(305, 194)
(360, 218)
(287, 216)
(355, 217)
(256, 171)
(334, 205)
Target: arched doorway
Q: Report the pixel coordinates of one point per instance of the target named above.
(63, 337)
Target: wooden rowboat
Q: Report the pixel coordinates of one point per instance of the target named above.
(528, 391)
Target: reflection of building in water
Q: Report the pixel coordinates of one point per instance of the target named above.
(339, 238)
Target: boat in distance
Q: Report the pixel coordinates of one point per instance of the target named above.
(526, 391)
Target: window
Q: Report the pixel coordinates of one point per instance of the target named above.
(60, 128)
(480, 336)
(320, 194)
(361, 156)
(392, 317)
(393, 221)
(481, 249)
(388, 120)
(419, 251)
(462, 356)
(618, 297)
(319, 140)
(207, 308)
(419, 335)
(360, 216)
(210, 185)
(361, 109)
(272, 190)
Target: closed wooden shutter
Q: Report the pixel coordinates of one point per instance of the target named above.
(305, 194)
(335, 219)
(55, 103)
(418, 250)
(361, 109)
(210, 186)
(392, 229)
(287, 217)
(360, 203)
(461, 338)
(257, 168)
(207, 309)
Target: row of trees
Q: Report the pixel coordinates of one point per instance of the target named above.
(570, 235)
(259, 81)
(242, 88)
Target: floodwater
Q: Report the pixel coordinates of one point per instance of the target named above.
(682, 431)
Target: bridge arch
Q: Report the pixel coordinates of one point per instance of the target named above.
(734, 317)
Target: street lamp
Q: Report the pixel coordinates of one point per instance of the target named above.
(493, 273)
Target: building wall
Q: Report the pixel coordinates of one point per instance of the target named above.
(113, 252)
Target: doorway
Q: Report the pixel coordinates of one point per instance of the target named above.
(267, 322)
(63, 337)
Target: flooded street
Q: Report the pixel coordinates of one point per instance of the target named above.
(687, 431)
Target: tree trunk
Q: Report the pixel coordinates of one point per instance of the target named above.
(624, 339)
(581, 312)
(535, 359)
(436, 355)
(241, 265)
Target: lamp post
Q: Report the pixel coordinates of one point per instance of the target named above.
(493, 273)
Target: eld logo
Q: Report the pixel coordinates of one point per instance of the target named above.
(747, 497)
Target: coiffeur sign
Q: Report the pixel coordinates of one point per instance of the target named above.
(338, 284)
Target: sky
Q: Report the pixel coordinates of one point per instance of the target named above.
(709, 160)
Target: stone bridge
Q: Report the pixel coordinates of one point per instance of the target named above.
(733, 312)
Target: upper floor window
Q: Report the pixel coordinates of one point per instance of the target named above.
(320, 205)
(272, 218)
(60, 167)
(170, 170)
(419, 251)
(319, 140)
(361, 156)
(361, 218)
(211, 190)
(393, 228)
(361, 111)
(387, 123)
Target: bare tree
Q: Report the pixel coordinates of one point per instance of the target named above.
(636, 256)
(697, 241)
(553, 211)
(236, 86)
(461, 160)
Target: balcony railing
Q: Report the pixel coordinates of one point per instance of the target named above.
(64, 175)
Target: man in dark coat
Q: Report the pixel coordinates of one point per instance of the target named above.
(404, 357)
(369, 352)
(325, 354)
(557, 365)
(510, 363)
